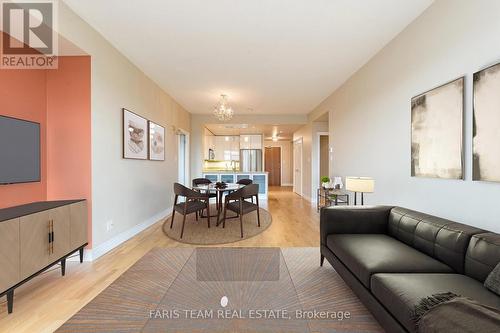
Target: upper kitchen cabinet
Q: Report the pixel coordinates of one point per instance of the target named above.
(209, 147)
(256, 141)
(227, 148)
(253, 141)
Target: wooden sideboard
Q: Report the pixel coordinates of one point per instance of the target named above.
(36, 236)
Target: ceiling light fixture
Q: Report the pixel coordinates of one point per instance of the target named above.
(222, 110)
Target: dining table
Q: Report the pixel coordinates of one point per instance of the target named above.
(212, 188)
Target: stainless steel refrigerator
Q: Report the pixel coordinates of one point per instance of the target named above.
(250, 160)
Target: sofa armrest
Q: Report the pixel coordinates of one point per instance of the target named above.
(353, 220)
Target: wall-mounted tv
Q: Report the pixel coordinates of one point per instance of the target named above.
(19, 151)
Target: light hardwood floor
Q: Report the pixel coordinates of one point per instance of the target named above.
(46, 302)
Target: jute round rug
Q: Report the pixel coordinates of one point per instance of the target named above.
(198, 233)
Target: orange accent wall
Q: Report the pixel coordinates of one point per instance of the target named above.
(23, 95)
(60, 100)
(69, 159)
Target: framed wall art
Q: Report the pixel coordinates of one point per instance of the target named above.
(486, 124)
(135, 135)
(156, 142)
(437, 132)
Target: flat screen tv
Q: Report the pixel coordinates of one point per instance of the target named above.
(19, 151)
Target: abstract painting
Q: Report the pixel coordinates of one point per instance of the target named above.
(135, 131)
(486, 133)
(156, 142)
(437, 132)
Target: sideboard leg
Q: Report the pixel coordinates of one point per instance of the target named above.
(81, 255)
(321, 260)
(10, 300)
(63, 266)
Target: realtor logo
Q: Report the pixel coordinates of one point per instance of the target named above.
(29, 38)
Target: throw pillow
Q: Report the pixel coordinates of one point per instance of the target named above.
(492, 282)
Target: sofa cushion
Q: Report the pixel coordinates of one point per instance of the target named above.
(483, 254)
(439, 238)
(367, 254)
(400, 293)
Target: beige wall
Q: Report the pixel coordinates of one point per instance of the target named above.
(286, 160)
(370, 113)
(131, 193)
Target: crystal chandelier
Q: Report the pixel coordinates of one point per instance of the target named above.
(222, 110)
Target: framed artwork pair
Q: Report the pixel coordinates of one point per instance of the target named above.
(437, 124)
(142, 138)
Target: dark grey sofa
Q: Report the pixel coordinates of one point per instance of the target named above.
(392, 257)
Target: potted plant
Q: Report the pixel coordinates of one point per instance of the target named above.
(325, 182)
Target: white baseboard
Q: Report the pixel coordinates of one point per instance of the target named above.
(307, 198)
(286, 184)
(101, 249)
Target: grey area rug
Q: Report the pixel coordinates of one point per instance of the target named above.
(198, 233)
(226, 290)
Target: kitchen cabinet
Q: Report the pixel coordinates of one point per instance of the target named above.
(219, 148)
(253, 141)
(227, 148)
(256, 142)
(208, 144)
(235, 148)
(260, 178)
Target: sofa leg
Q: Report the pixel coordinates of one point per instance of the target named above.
(321, 260)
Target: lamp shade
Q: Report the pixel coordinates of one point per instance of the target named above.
(360, 184)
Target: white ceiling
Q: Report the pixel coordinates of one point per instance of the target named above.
(268, 56)
(282, 132)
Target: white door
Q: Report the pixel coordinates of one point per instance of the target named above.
(297, 167)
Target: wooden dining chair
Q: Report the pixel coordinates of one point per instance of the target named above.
(194, 202)
(235, 202)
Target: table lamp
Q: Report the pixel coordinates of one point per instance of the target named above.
(361, 185)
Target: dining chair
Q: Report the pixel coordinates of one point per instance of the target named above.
(204, 181)
(235, 202)
(245, 181)
(194, 202)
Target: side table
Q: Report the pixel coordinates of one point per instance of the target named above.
(329, 197)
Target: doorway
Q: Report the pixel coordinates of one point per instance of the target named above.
(323, 157)
(272, 160)
(297, 166)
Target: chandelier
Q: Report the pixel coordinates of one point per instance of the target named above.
(222, 110)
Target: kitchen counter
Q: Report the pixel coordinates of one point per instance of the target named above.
(258, 177)
(234, 172)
